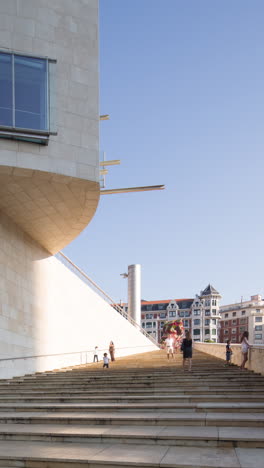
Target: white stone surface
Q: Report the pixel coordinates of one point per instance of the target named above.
(46, 309)
(66, 31)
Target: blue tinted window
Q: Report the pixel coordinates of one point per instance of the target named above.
(23, 92)
(6, 90)
(30, 93)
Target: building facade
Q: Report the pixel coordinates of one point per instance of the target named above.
(200, 315)
(49, 164)
(49, 118)
(240, 317)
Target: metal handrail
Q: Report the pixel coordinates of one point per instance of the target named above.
(85, 278)
(16, 358)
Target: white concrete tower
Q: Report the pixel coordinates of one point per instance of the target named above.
(134, 292)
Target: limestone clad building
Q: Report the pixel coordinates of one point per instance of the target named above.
(49, 185)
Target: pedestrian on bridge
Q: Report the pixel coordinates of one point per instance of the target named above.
(244, 349)
(106, 361)
(186, 348)
(229, 353)
(169, 346)
(95, 354)
(112, 351)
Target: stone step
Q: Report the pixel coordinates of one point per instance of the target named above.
(107, 375)
(110, 374)
(152, 403)
(136, 395)
(177, 388)
(150, 435)
(86, 398)
(59, 455)
(119, 389)
(191, 380)
(143, 418)
(86, 390)
(127, 415)
(178, 401)
(179, 407)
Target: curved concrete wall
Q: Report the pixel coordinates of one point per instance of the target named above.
(66, 31)
(45, 308)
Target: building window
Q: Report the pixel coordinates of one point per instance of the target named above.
(226, 332)
(214, 331)
(226, 315)
(25, 97)
(172, 314)
(233, 331)
(234, 314)
(149, 316)
(196, 331)
(186, 323)
(186, 314)
(257, 310)
(226, 323)
(207, 312)
(181, 314)
(149, 307)
(214, 321)
(234, 322)
(196, 312)
(214, 311)
(207, 331)
(258, 319)
(258, 336)
(196, 322)
(161, 324)
(207, 322)
(258, 327)
(162, 315)
(154, 324)
(243, 321)
(143, 324)
(148, 324)
(243, 312)
(242, 329)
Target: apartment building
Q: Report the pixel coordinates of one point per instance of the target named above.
(200, 315)
(240, 317)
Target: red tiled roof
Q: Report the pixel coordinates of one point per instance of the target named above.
(165, 301)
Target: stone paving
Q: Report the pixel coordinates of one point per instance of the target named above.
(143, 411)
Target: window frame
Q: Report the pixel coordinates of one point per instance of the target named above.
(258, 319)
(29, 135)
(258, 336)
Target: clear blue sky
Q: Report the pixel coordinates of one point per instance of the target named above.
(183, 83)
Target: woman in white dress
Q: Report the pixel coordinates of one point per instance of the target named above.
(244, 349)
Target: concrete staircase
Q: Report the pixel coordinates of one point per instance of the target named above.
(144, 411)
